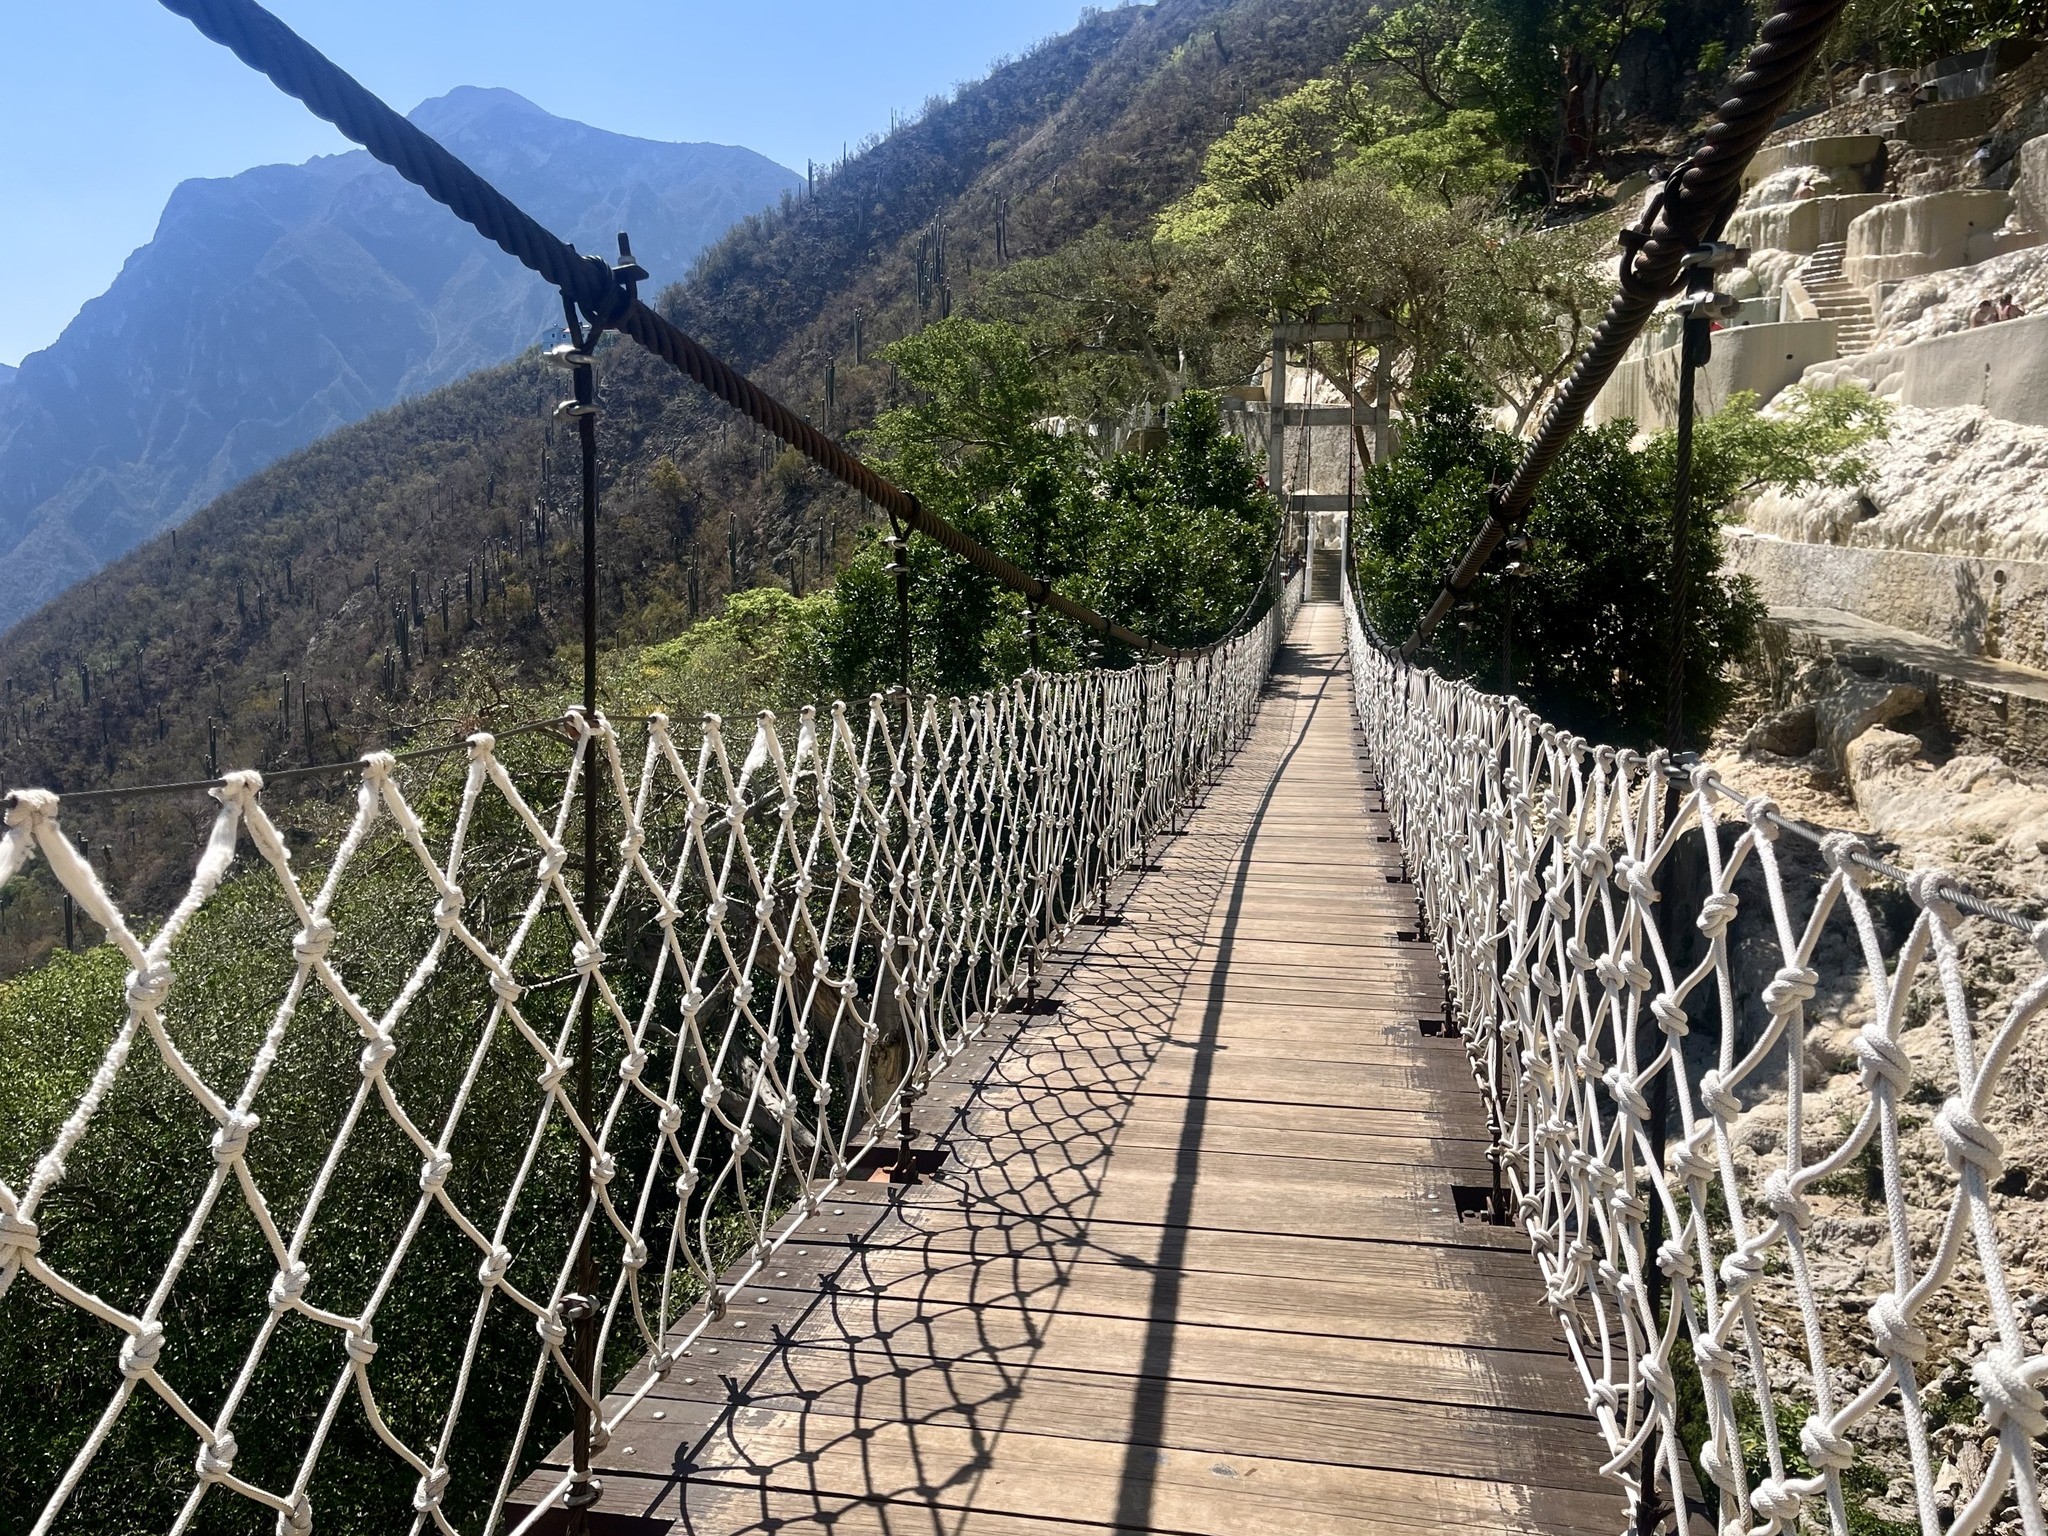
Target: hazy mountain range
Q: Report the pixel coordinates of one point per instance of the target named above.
(272, 307)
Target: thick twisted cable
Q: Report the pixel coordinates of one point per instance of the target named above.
(300, 70)
(1694, 204)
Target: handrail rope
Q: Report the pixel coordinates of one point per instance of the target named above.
(606, 296)
(1690, 208)
(1543, 866)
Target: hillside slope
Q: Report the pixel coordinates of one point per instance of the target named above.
(413, 573)
(273, 307)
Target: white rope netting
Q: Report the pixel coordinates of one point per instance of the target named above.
(786, 948)
(1606, 1017)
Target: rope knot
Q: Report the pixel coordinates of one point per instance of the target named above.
(1693, 1160)
(2005, 1383)
(1841, 850)
(1783, 1201)
(216, 1458)
(1622, 969)
(1881, 1059)
(631, 1065)
(1714, 1360)
(378, 768)
(20, 1239)
(380, 1050)
(554, 858)
(493, 1268)
(1968, 1142)
(1925, 887)
(1715, 1096)
(1717, 911)
(603, 1169)
(1656, 1376)
(289, 1285)
(360, 1345)
(427, 1496)
(141, 1350)
(1627, 1094)
(1676, 1260)
(434, 1172)
(448, 910)
(1670, 1017)
(148, 986)
(298, 1520)
(505, 985)
(31, 807)
(1825, 1450)
(1742, 1268)
(1758, 811)
(1898, 1338)
(232, 1139)
(312, 942)
(1789, 990)
(1775, 1499)
(482, 744)
(1633, 875)
(239, 788)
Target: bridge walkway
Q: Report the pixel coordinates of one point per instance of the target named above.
(1192, 1262)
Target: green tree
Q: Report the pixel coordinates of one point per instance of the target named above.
(1171, 542)
(1187, 533)
(1582, 624)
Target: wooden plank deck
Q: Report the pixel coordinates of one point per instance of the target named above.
(1193, 1264)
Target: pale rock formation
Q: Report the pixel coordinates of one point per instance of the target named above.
(1957, 482)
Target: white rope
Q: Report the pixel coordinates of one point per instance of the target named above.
(1537, 856)
(843, 910)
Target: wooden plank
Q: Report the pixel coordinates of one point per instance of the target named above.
(1070, 1478)
(867, 1386)
(1421, 1307)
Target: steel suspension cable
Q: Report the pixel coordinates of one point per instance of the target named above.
(1691, 208)
(606, 296)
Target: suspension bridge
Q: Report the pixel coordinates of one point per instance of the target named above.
(1263, 1087)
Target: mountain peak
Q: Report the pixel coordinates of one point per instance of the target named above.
(149, 405)
(467, 105)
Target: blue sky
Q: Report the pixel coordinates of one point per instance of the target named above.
(111, 103)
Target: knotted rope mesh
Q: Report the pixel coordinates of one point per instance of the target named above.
(1607, 1017)
(787, 947)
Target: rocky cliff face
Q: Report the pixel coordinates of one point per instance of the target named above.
(272, 307)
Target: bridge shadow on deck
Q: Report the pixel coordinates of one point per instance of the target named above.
(1192, 1265)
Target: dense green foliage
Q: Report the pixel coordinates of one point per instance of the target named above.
(143, 1165)
(1581, 623)
(1171, 542)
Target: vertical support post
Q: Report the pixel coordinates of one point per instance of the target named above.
(1693, 355)
(1030, 830)
(1276, 425)
(1383, 405)
(579, 1309)
(1694, 350)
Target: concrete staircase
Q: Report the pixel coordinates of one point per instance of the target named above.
(1837, 300)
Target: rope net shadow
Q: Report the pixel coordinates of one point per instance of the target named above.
(1606, 1008)
(786, 947)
